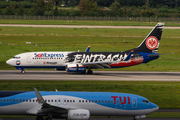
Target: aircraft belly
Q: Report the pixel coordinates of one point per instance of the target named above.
(16, 109)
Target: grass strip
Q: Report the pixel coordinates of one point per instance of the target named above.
(85, 22)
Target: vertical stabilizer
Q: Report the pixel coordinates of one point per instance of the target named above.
(152, 41)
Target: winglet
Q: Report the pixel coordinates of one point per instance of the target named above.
(39, 97)
(88, 48)
(129, 56)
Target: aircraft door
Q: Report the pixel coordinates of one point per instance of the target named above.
(137, 58)
(134, 102)
(28, 58)
(59, 101)
(64, 101)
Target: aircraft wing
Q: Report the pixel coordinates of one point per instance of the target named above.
(44, 108)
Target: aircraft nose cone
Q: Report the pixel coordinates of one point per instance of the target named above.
(154, 106)
(9, 62)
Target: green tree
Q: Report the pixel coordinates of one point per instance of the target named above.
(21, 10)
(9, 10)
(49, 5)
(87, 5)
(83, 5)
(55, 11)
(39, 8)
(116, 8)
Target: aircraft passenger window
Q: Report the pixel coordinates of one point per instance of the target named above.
(16, 100)
(117, 101)
(29, 100)
(7, 100)
(99, 101)
(92, 101)
(64, 100)
(89, 101)
(48, 100)
(111, 101)
(79, 100)
(96, 101)
(70, 100)
(59, 101)
(1, 100)
(86, 101)
(73, 100)
(67, 100)
(55, 100)
(51, 100)
(33, 100)
(105, 101)
(82, 100)
(108, 101)
(13, 100)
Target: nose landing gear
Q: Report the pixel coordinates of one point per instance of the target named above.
(22, 71)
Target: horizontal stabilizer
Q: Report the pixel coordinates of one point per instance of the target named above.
(154, 55)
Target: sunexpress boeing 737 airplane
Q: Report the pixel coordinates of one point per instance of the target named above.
(82, 61)
(74, 105)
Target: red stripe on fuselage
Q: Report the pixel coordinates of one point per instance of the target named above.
(130, 62)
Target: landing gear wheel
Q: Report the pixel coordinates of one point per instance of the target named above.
(22, 71)
(39, 118)
(89, 72)
(48, 118)
(134, 118)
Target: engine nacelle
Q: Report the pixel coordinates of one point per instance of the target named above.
(78, 114)
(75, 68)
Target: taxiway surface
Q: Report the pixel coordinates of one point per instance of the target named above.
(97, 75)
(99, 118)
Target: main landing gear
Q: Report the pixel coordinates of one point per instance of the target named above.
(89, 71)
(41, 118)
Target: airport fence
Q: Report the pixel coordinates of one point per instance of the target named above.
(148, 19)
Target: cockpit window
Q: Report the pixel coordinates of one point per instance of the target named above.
(17, 57)
(146, 101)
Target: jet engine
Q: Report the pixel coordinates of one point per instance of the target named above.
(75, 68)
(78, 114)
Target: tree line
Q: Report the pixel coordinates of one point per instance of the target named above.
(121, 8)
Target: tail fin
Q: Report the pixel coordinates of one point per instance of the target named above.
(152, 41)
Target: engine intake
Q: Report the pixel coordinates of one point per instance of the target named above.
(78, 114)
(75, 68)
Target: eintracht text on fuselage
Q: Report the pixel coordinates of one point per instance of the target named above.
(74, 105)
(82, 61)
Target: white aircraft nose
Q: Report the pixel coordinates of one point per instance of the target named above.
(9, 62)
